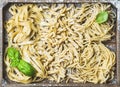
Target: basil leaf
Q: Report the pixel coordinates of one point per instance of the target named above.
(14, 56)
(17, 55)
(26, 68)
(14, 62)
(22, 65)
(13, 53)
(102, 17)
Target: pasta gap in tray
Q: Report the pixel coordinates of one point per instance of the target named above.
(111, 44)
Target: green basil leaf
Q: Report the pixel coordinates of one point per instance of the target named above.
(102, 17)
(10, 52)
(13, 53)
(26, 68)
(14, 62)
(14, 56)
(22, 65)
(17, 55)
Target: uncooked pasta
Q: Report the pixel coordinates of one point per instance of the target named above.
(63, 42)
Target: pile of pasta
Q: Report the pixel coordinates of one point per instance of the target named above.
(62, 42)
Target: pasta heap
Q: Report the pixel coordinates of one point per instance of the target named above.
(62, 42)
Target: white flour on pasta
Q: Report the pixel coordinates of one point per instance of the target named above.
(61, 42)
